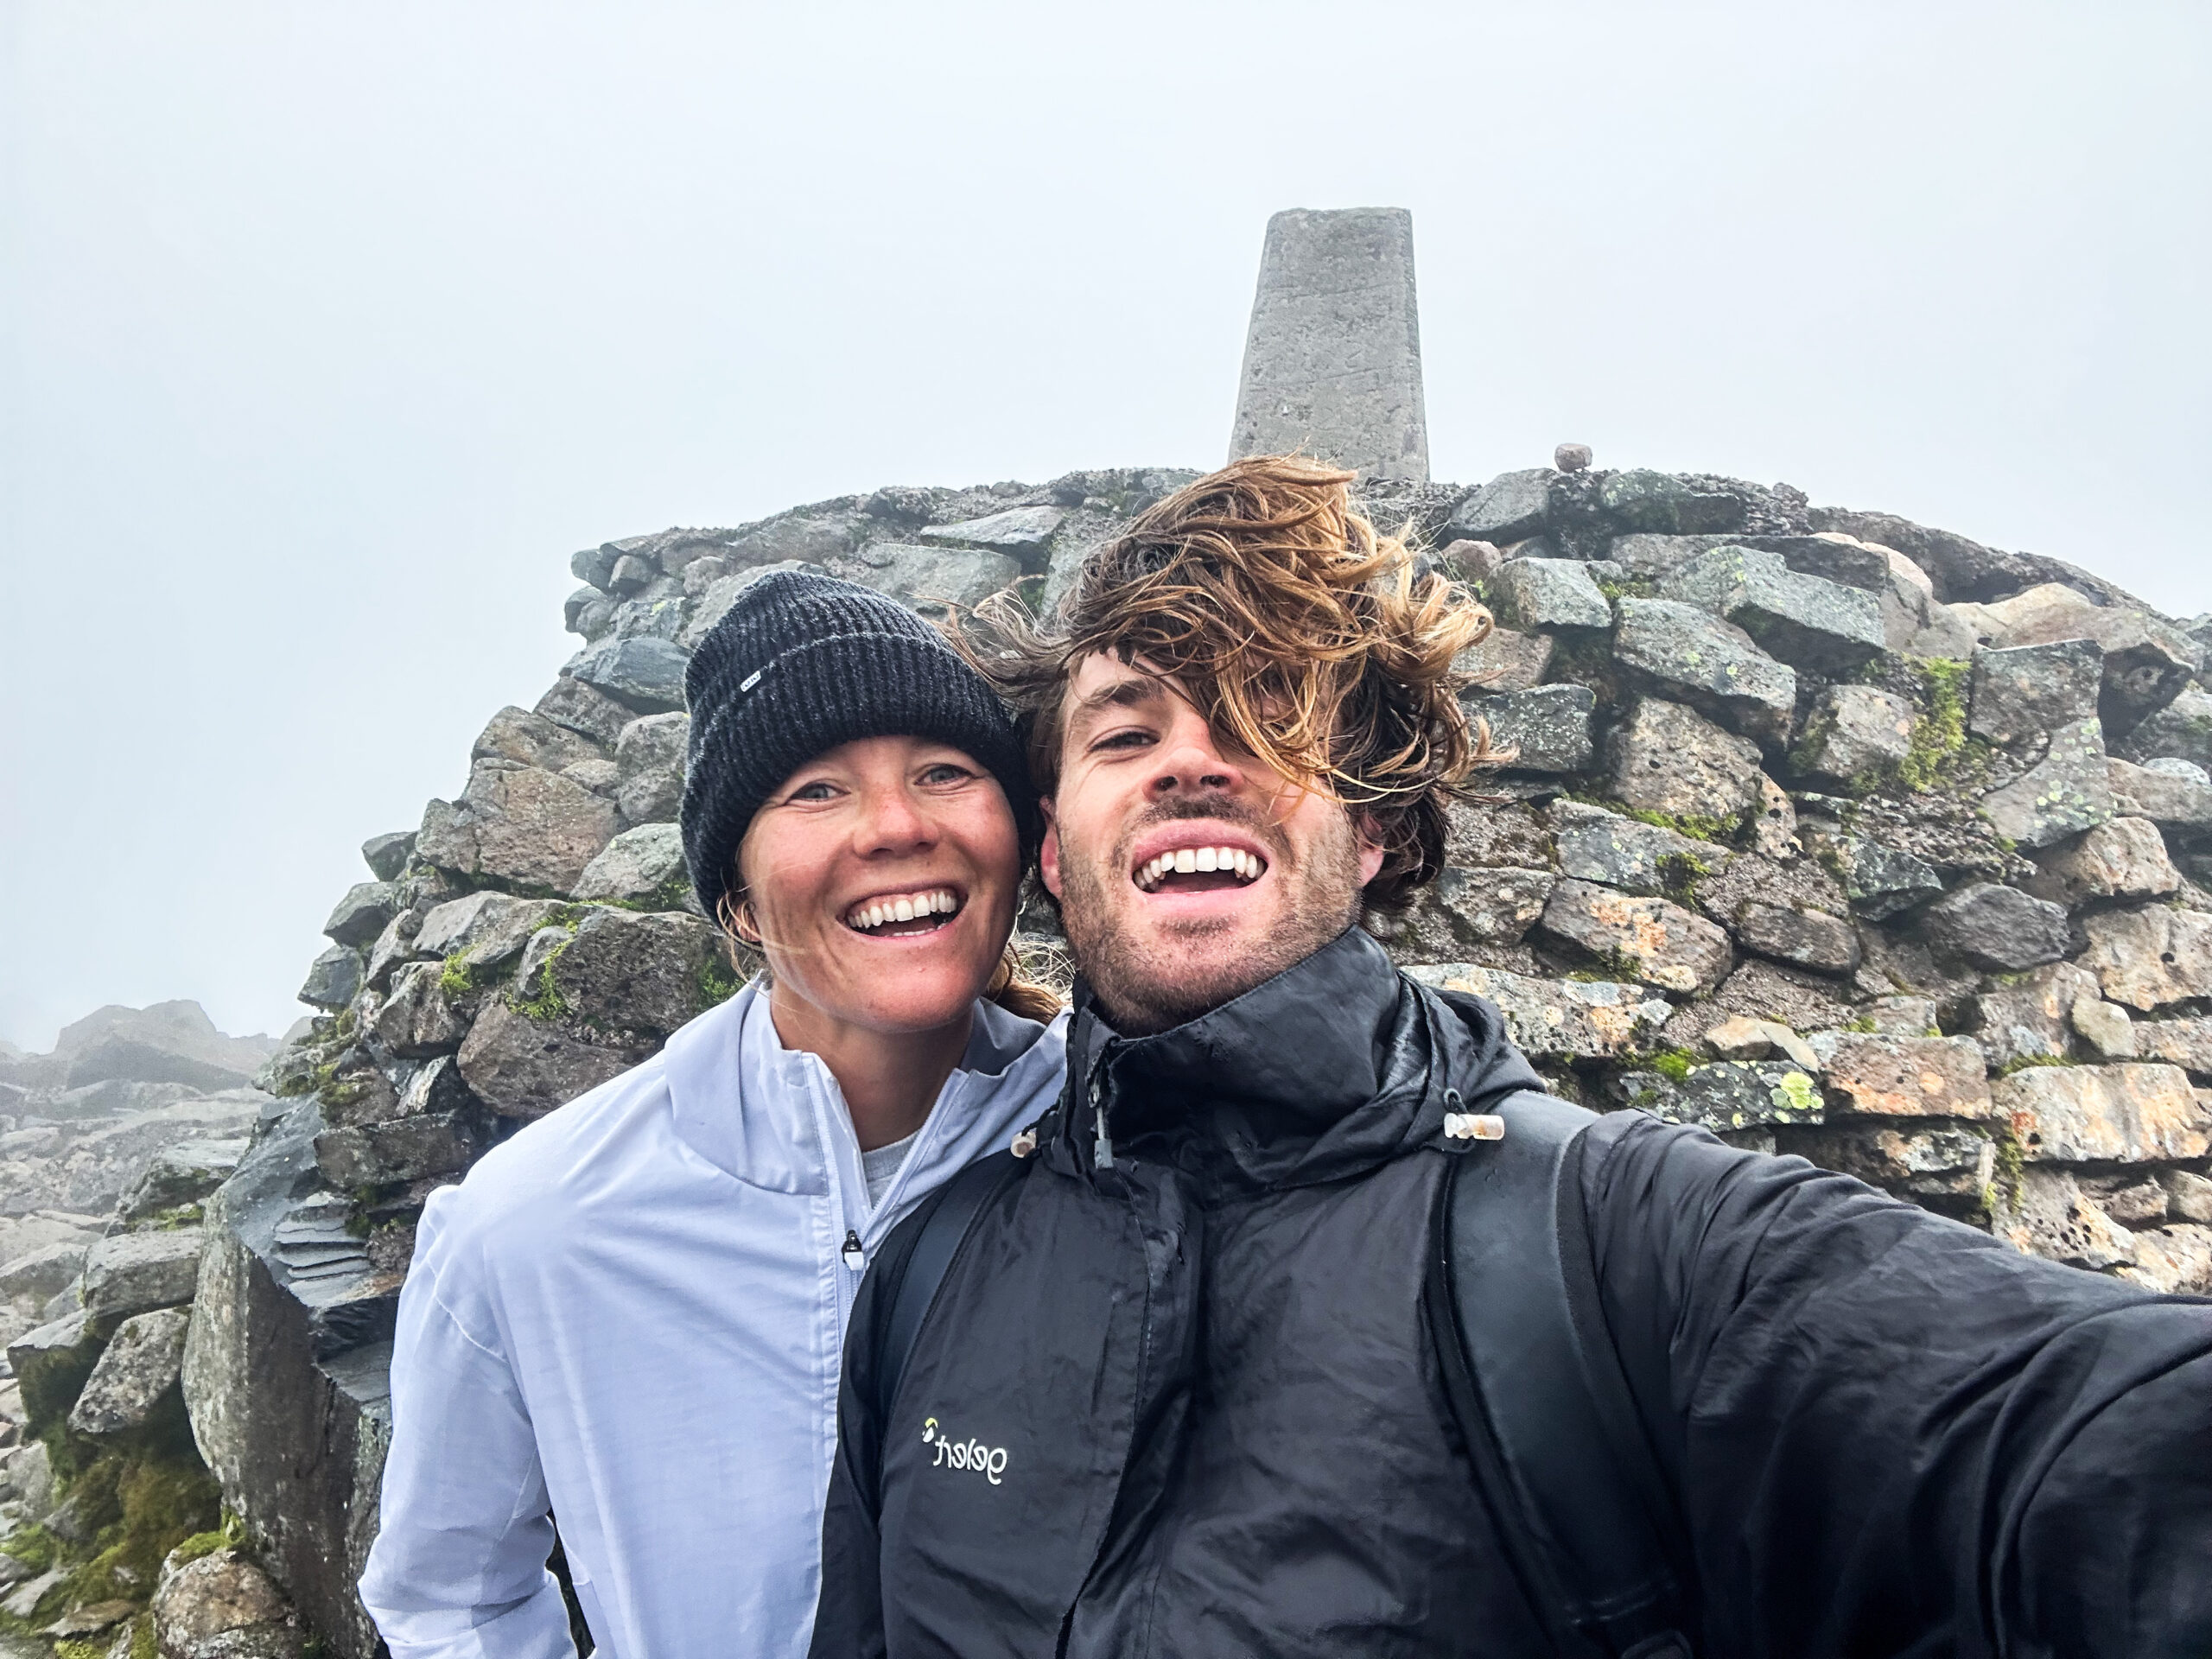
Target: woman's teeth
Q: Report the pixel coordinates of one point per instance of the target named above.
(904, 907)
(1196, 861)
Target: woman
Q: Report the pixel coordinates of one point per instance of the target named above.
(631, 1314)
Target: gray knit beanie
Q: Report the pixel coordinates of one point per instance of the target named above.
(801, 664)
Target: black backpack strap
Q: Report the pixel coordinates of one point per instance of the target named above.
(934, 1233)
(1540, 1395)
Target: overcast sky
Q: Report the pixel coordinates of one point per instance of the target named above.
(331, 330)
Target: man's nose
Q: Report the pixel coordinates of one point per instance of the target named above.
(1191, 762)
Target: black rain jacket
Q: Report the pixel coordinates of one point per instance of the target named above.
(1190, 1404)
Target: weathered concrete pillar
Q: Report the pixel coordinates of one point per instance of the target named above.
(1333, 365)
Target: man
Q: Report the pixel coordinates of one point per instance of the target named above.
(1185, 1388)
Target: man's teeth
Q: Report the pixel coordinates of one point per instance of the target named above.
(1189, 860)
(903, 907)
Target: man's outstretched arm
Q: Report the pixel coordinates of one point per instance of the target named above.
(1892, 1434)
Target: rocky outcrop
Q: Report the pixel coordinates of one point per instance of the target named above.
(111, 1156)
(1834, 834)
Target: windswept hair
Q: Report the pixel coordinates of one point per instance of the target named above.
(1305, 638)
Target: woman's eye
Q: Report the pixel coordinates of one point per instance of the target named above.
(945, 773)
(816, 791)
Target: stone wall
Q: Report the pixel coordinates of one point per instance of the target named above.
(1838, 835)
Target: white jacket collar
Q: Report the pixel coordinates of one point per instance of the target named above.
(748, 1105)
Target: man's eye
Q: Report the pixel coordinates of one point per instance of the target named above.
(1132, 739)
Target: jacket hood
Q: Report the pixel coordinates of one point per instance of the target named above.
(1335, 1066)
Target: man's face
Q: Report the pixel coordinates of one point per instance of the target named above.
(1143, 779)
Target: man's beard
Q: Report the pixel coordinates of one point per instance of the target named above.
(1146, 985)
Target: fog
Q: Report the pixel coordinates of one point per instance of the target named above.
(332, 331)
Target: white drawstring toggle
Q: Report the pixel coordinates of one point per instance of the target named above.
(1473, 1126)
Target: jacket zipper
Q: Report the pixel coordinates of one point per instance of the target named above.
(1136, 1400)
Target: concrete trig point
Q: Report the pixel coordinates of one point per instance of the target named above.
(1333, 365)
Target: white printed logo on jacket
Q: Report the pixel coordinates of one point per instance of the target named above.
(989, 1461)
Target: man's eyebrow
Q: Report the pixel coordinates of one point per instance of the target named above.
(1132, 692)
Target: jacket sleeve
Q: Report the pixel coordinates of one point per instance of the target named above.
(848, 1617)
(459, 1569)
(1892, 1434)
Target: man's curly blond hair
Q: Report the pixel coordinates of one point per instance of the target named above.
(1305, 638)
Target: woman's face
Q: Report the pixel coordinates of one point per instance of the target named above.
(881, 877)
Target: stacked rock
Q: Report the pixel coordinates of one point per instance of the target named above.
(1834, 834)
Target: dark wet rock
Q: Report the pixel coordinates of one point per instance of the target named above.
(1666, 759)
(1532, 593)
(387, 854)
(1682, 651)
(1804, 939)
(1945, 1167)
(1879, 881)
(2066, 792)
(406, 1149)
(1506, 833)
(1559, 1019)
(1546, 728)
(136, 1273)
(51, 1363)
(649, 755)
(136, 1370)
(1640, 501)
(2180, 731)
(2029, 1020)
(1803, 621)
(2027, 691)
(1649, 938)
(1510, 508)
(1464, 909)
(1726, 1096)
(1855, 732)
(646, 675)
(585, 710)
(1595, 845)
(521, 1067)
(285, 1375)
(1998, 928)
(524, 825)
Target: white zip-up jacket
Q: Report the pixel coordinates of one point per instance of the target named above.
(631, 1316)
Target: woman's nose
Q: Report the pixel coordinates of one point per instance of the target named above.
(892, 821)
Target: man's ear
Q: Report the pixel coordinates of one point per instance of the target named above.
(1048, 853)
(1370, 849)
